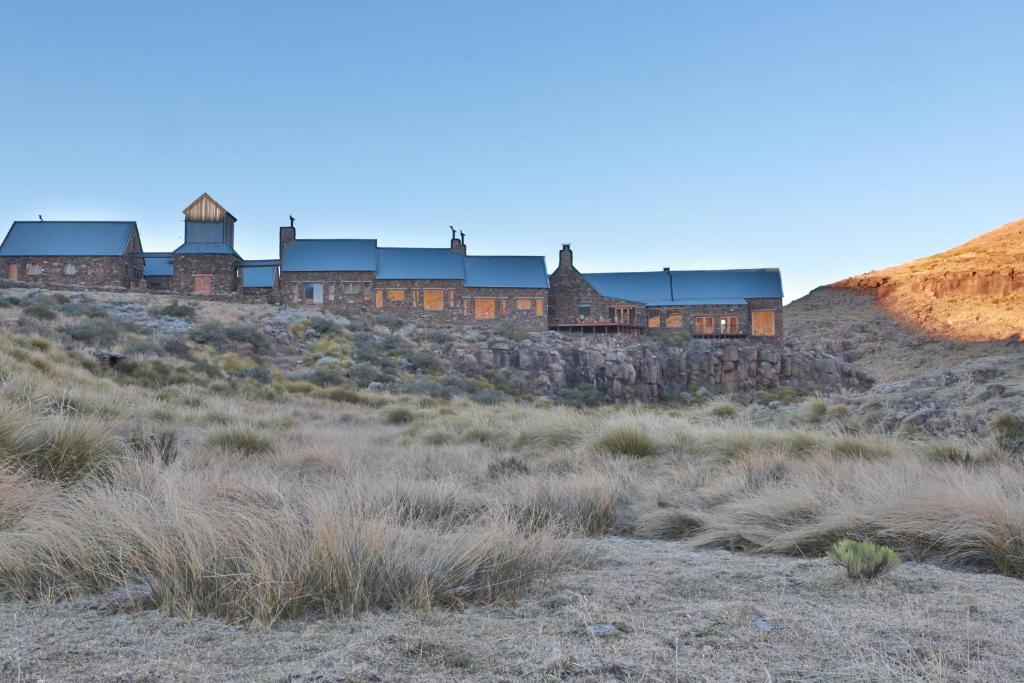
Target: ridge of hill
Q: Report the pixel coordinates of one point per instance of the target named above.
(972, 292)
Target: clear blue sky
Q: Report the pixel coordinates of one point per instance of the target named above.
(826, 138)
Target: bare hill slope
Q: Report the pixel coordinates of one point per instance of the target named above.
(972, 292)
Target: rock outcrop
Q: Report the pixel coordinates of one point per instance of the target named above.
(627, 370)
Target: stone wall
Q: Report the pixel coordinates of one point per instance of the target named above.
(569, 289)
(335, 298)
(221, 268)
(625, 370)
(99, 272)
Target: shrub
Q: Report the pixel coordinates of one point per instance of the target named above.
(40, 311)
(628, 440)
(1009, 432)
(582, 396)
(817, 410)
(851, 447)
(863, 559)
(365, 373)
(244, 441)
(327, 376)
(323, 326)
(489, 397)
(399, 416)
(723, 410)
(177, 309)
(176, 347)
(423, 361)
(93, 332)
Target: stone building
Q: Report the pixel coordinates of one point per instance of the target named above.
(70, 254)
(427, 283)
(207, 264)
(703, 303)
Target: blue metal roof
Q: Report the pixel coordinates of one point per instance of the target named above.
(695, 287)
(199, 248)
(420, 264)
(689, 287)
(157, 266)
(258, 276)
(506, 271)
(651, 288)
(329, 255)
(67, 238)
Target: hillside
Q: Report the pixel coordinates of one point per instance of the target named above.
(257, 495)
(972, 292)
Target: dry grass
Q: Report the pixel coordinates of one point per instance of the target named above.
(399, 504)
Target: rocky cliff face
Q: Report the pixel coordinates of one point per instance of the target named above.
(625, 370)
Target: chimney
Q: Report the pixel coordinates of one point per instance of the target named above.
(671, 289)
(287, 236)
(565, 256)
(458, 243)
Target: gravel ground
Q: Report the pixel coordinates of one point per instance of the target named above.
(648, 610)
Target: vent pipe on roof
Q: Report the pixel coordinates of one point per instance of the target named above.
(40, 218)
(671, 289)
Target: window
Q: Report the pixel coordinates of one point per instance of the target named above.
(583, 310)
(674, 319)
(484, 309)
(70, 269)
(433, 299)
(728, 324)
(654, 320)
(704, 324)
(33, 269)
(202, 284)
(524, 304)
(12, 271)
(351, 288)
(762, 323)
(539, 306)
(313, 292)
(396, 295)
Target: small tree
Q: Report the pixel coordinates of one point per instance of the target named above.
(863, 559)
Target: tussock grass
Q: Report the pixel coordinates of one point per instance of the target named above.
(102, 482)
(241, 440)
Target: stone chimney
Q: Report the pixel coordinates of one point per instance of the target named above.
(565, 257)
(458, 242)
(287, 236)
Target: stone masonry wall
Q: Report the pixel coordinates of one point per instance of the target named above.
(221, 268)
(335, 298)
(569, 288)
(102, 272)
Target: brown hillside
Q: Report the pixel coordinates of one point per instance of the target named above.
(972, 292)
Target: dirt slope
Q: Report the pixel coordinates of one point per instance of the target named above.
(972, 292)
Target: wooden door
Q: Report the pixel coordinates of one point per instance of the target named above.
(202, 284)
(433, 299)
(484, 309)
(762, 323)
(12, 271)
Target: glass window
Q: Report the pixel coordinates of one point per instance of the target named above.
(584, 310)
